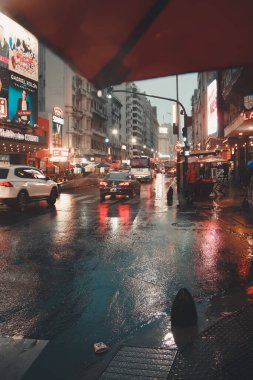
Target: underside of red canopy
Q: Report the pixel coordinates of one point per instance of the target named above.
(113, 41)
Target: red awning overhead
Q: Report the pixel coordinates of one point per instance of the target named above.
(114, 41)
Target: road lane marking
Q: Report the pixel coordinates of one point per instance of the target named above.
(83, 197)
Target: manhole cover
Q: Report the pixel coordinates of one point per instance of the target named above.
(184, 225)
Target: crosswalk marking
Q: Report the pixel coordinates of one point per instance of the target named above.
(78, 197)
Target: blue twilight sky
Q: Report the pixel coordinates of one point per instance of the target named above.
(166, 87)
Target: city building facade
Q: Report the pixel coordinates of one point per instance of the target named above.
(166, 142)
(139, 120)
(22, 132)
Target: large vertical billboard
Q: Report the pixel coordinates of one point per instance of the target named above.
(212, 115)
(18, 74)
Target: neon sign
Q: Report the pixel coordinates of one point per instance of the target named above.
(247, 115)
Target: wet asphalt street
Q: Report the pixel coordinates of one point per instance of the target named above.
(86, 271)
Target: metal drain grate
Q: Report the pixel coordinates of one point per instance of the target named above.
(183, 224)
(140, 363)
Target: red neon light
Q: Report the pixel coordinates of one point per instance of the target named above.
(247, 115)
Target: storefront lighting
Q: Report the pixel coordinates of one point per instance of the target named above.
(240, 133)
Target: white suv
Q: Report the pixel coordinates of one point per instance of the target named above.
(20, 184)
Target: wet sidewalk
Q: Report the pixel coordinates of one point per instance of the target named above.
(224, 351)
(221, 349)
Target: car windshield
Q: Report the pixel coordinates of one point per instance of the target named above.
(3, 173)
(118, 176)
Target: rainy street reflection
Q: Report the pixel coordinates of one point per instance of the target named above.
(100, 271)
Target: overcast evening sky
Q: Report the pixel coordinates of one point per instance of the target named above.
(166, 87)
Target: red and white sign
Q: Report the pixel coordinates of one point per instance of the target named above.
(248, 102)
(59, 155)
(3, 107)
(58, 115)
(178, 147)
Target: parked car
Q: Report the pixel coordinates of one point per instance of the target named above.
(21, 184)
(119, 183)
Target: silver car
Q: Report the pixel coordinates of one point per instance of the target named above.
(21, 184)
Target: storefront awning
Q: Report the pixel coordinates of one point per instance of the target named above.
(114, 41)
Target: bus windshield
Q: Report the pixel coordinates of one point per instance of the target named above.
(140, 162)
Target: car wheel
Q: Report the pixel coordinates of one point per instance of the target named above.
(52, 198)
(22, 201)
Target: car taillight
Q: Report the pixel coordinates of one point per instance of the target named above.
(124, 183)
(103, 183)
(6, 184)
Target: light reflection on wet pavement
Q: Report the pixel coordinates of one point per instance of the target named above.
(88, 271)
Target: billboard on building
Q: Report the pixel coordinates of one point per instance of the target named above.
(212, 115)
(18, 74)
(23, 100)
(18, 48)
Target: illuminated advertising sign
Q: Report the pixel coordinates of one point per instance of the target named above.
(19, 48)
(23, 100)
(4, 90)
(17, 136)
(58, 122)
(163, 130)
(59, 155)
(18, 74)
(212, 116)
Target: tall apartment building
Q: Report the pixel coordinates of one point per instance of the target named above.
(139, 120)
(80, 129)
(115, 133)
(98, 126)
(204, 126)
(166, 142)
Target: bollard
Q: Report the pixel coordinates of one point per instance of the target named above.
(183, 311)
(170, 196)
